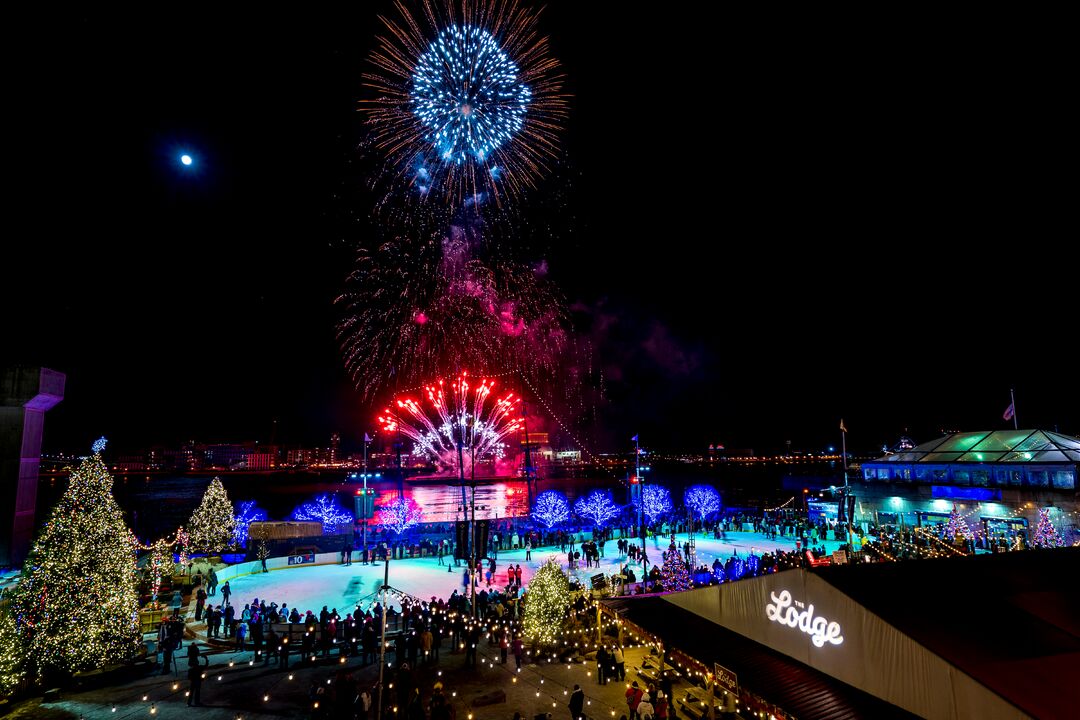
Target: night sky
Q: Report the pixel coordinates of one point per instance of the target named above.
(763, 223)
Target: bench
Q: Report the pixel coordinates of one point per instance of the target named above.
(695, 703)
(649, 675)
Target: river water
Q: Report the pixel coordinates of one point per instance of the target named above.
(156, 504)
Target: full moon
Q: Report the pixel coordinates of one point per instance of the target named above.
(185, 159)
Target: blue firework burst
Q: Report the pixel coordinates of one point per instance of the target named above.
(466, 93)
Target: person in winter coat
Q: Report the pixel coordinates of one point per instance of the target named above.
(620, 663)
(577, 703)
(241, 634)
(518, 648)
(645, 709)
(633, 697)
(601, 665)
(661, 706)
(200, 602)
(197, 662)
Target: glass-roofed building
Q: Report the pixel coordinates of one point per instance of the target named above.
(1001, 477)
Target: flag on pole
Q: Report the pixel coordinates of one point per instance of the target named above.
(842, 428)
(1009, 412)
(634, 439)
(367, 438)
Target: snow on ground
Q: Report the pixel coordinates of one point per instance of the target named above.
(342, 587)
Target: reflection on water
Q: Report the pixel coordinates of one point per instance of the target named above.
(442, 503)
(155, 505)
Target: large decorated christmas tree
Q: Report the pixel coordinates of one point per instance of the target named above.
(11, 656)
(76, 607)
(546, 600)
(675, 574)
(212, 523)
(1046, 535)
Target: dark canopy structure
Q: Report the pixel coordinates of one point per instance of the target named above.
(988, 636)
(1000, 458)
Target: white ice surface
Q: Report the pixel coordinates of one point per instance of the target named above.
(341, 587)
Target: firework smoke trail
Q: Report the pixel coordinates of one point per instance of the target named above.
(467, 100)
(413, 310)
(460, 412)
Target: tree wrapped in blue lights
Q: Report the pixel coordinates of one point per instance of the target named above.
(326, 510)
(702, 501)
(655, 502)
(551, 508)
(734, 568)
(399, 515)
(597, 507)
(246, 513)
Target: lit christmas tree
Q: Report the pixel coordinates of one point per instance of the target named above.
(399, 515)
(597, 507)
(213, 522)
(77, 605)
(183, 542)
(160, 565)
(551, 508)
(1046, 535)
(957, 526)
(326, 510)
(12, 658)
(546, 601)
(655, 502)
(674, 573)
(246, 513)
(703, 501)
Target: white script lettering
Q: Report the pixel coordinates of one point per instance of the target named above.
(818, 628)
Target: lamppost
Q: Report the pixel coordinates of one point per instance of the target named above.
(364, 504)
(472, 521)
(641, 503)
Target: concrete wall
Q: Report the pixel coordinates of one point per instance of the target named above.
(26, 394)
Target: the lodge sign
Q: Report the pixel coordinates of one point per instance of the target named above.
(799, 615)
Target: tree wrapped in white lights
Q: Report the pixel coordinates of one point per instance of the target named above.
(546, 601)
(77, 605)
(551, 508)
(702, 500)
(399, 515)
(655, 502)
(160, 565)
(597, 507)
(212, 523)
(326, 510)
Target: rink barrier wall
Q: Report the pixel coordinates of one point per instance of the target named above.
(252, 567)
